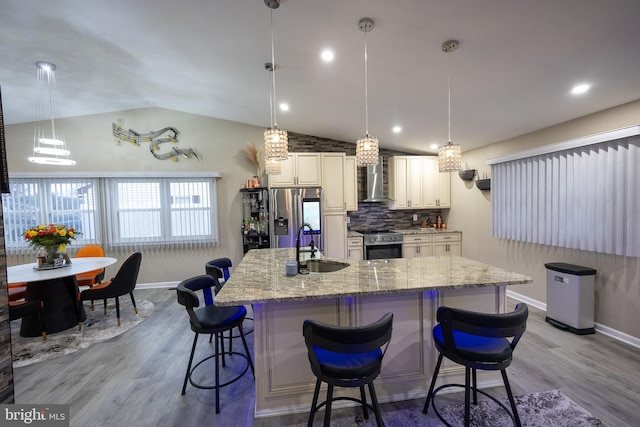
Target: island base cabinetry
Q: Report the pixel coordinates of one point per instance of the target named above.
(284, 381)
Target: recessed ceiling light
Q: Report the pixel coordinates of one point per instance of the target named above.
(327, 55)
(580, 89)
(397, 129)
(284, 107)
(434, 146)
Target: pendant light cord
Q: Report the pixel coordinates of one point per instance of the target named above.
(273, 78)
(366, 91)
(449, 91)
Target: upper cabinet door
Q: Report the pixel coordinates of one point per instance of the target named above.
(398, 183)
(299, 170)
(308, 170)
(437, 185)
(351, 183)
(333, 183)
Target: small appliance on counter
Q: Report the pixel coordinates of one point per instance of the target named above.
(289, 208)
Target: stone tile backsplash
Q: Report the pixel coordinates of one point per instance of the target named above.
(369, 215)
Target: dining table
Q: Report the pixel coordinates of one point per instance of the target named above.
(58, 290)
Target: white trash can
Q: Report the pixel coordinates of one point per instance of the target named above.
(570, 297)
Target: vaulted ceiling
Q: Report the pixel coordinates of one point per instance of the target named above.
(512, 73)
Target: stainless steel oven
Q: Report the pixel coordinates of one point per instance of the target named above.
(382, 244)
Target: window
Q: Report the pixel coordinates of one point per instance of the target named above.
(115, 212)
(583, 195)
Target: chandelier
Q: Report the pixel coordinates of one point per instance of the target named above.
(272, 167)
(367, 146)
(449, 156)
(49, 147)
(276, 141)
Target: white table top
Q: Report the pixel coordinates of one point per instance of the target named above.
(27, 273)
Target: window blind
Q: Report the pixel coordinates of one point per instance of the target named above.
(585, 197)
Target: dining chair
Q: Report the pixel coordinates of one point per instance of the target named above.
(17, 291)
(20, 309)
(484, 341)
(92, 277)
(123, 283)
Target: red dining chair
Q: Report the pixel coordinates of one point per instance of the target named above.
(92, 277)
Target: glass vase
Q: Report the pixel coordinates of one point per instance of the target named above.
(52, 253)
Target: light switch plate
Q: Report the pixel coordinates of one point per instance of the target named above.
(415, 217)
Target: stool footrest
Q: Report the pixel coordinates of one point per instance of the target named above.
(231, 381)
(471, 388)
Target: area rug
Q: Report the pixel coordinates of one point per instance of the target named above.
(543, 409)
(96, 328)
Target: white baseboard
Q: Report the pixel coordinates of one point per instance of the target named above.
(605, 330)
(620, 336)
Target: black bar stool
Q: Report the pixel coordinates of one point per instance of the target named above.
(211, 320)
(477, 341)
(347, 357)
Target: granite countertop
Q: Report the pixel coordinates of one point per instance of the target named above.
(428, 230)
(260, 277)
(354, 234)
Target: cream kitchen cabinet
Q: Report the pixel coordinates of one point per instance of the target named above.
(417, 245)
(333, 182)
(354, 248)
(351, 183)
(300, 170)
(436, 184)
(335, 235)
(405, 182)
(447, 244)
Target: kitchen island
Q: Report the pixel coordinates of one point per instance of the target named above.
(359, 294)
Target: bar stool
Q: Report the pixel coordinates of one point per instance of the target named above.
(211, 320)
(219, 268)
(477, 341)
(347, 357)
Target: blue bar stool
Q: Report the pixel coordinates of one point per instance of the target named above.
(347, 357)
(477, 341)
(211, 320)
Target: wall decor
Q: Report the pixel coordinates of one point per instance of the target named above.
(155, 139)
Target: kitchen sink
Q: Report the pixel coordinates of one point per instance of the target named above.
(324, 266)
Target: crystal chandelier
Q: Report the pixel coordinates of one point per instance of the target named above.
(49, 147)
(449, 156)
(367, 146)
(276, 141)
(272, 167)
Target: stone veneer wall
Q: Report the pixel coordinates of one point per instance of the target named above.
(6, 361)
(369, 215)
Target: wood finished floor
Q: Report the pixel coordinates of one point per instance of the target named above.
(136, 378)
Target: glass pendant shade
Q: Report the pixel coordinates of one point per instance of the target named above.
(367, 151)
(276, 144)
(49, 147)
(449, 158)
(272, 167)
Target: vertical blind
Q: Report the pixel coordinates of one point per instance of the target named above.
(585, 198)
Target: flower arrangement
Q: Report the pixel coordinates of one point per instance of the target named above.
(48, 236)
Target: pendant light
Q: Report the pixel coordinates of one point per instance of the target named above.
(276, 141)
(367, 146)
(272, 167)
(49, 147)
(449, 156)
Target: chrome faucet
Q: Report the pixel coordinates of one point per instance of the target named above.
(303, 266)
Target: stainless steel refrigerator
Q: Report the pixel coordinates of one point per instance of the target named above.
(289, 208)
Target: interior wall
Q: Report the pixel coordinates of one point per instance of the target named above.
(617, 299)
(218, 143)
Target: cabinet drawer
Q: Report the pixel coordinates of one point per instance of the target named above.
(447, 237)
(413, 238)
(354, 241)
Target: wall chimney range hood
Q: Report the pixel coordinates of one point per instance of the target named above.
(375, 183)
